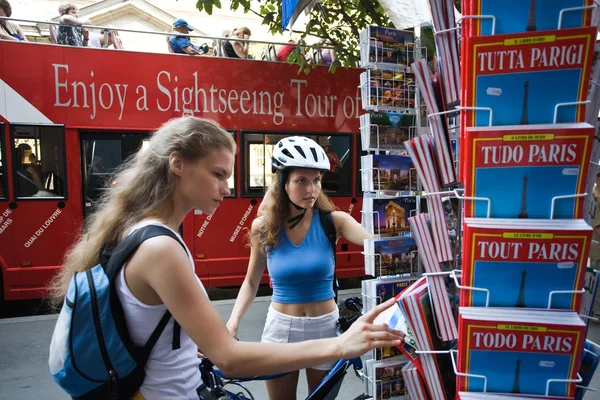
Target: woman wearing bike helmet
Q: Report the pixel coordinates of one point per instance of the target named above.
(289, 238)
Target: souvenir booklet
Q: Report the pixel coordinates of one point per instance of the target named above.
(509, 74)
(451, 214)
(519, 350)
(535, 163)
(589, 363)
(519, 16)
(381, 172)
(385, 130)
(388, 217)
(414, 384)
(420, 150)
(395, 256)
(520, 265)
(437, 283)
(381, 45)
(436, 369)
(444, 22)
(442, 150)
(387, 89)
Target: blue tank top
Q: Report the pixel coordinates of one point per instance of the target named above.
(304, 273)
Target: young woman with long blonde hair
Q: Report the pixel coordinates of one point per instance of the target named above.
(186, 165)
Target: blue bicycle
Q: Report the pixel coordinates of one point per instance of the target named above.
(328, 389)
(220, 387)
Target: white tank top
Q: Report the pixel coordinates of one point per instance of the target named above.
(170, 374)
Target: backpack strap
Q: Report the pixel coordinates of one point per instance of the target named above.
(330, 231)
(118, 257)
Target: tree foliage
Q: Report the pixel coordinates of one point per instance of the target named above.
(337, 21)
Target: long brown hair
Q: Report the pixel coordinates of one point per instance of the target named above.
(276, 213)
(143, 188)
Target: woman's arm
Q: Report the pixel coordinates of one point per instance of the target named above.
(68, 19)
(6, 36)
(241, 49)
(348, 228)
(20, 32)
(247, 294)
(162, 257)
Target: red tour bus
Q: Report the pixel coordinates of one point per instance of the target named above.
(71, 116)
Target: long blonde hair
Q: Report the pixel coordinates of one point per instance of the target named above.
(143, 188)
(276, 213)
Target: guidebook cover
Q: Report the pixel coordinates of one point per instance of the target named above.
(534, 163)
(524, 15)
(522, 77)
(520, 357)
(520, 266)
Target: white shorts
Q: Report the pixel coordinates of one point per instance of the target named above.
(282, 328)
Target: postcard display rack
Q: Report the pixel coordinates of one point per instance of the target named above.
(392, 199)
(525, 100)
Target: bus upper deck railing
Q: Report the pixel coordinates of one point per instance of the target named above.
(217, 41)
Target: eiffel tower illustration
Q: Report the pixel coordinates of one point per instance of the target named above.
(516, 384)
(523, 211)
(531, 27)
(525, 112)
(521, 298)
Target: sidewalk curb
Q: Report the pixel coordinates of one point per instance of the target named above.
(216, 303)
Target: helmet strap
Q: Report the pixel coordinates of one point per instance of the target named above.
(294, 221)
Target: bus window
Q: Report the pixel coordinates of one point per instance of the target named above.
(3, 185)
(231, 180)
(258, 150)
(39, 162)
(102, 155)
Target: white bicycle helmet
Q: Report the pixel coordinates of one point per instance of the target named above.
(299, 152)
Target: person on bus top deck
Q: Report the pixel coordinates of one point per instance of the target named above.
(182, 44)
(186, 165)
(70, 31)
(290, 240)
(9, 30)
(235, 49)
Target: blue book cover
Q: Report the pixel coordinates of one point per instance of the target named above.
(535, 164)
(517, 356)
(522, 77)
(521, 265)
(525, 15)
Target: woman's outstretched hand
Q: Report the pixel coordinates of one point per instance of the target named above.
(363, 335)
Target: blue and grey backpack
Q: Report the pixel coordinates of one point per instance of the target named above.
(91, 353)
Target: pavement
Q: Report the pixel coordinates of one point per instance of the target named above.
(24, 346)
